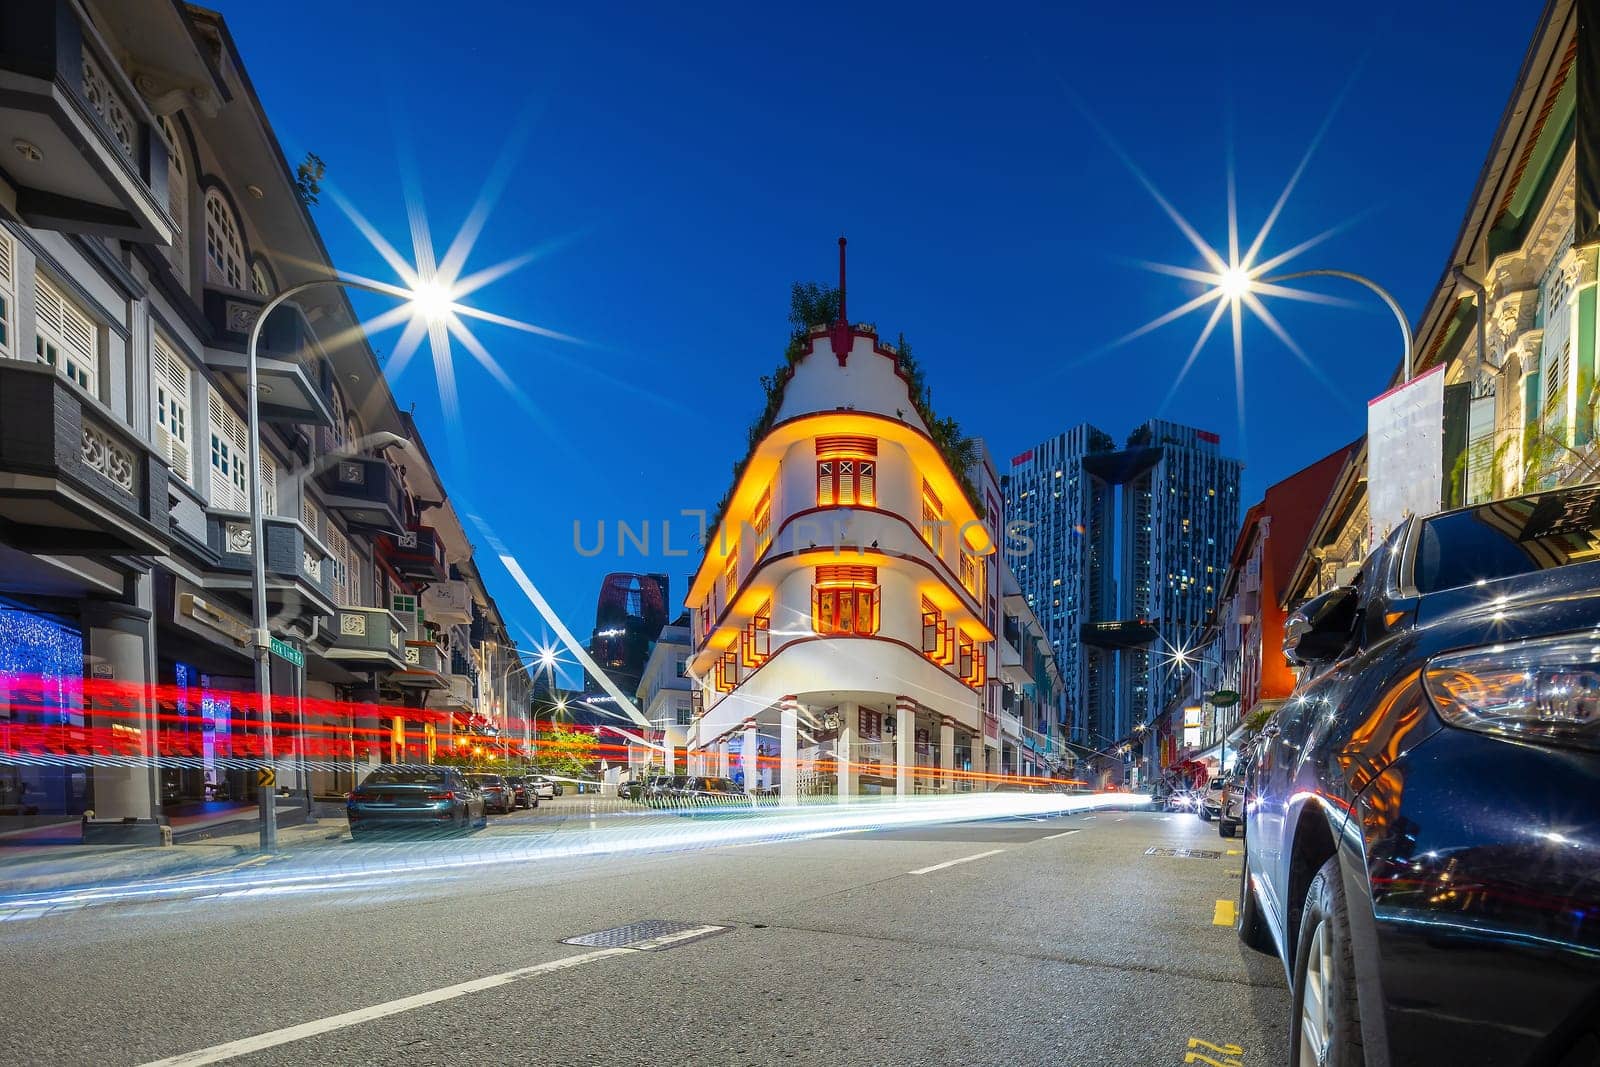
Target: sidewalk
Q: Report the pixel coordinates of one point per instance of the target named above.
(27, 868)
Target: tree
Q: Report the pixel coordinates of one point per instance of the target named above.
(567, 753)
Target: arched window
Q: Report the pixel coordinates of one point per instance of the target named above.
(177, 200)
(261, 279)
(224, 246)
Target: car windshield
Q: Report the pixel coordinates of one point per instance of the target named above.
(1506, 538)
(487, 779)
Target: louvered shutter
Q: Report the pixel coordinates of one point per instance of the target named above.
(68, 338)
(229, 456)
(170, 378)
(8, 288)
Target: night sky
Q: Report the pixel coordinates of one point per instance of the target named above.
(684, 164)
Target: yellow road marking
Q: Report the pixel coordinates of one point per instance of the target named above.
(1235, 852)
(1224, 914)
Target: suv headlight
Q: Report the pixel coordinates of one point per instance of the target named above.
(1542, 690)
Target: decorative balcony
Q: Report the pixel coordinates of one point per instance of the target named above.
(366, 638)
(416, 552)
(299, 570)
(448, 603)
(424, 667)
(365, 490)
(73, 480)
(461, 695)
(88, 157)
(285, 356)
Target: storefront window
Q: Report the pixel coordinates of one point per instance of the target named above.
(41, 706)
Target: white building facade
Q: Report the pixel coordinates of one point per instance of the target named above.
(844, 617)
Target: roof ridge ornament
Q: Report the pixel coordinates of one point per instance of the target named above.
(842, 337)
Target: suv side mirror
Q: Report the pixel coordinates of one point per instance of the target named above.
(1321, 628)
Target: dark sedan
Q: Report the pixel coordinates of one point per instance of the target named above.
(497, 795)
(524, 792)
(1423, 832)
(401, 797)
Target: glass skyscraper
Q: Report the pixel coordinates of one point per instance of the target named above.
(1120, 551)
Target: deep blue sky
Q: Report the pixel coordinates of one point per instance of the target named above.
(687, 162)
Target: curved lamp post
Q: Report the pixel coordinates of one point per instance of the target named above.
(429, 300)
(1236, 283)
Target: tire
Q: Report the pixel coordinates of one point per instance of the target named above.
(1252, 925)
(1226, 829)
(1325, 1019)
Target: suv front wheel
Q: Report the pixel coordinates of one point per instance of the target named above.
(1325, 1028)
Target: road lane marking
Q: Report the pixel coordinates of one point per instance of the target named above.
(1224, 913)
(271, 1039)
(1063, 833)
(952, 863)
(1235, 852)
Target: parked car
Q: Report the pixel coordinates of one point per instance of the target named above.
(427, 797)
(544, 787)
(1421, 834)
(698, 792)
(1230, 814)
(632, 789)
(659, 792)
(1209, 803)
(497, 795)
(523, 790)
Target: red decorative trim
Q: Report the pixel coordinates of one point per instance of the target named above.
(794, 702)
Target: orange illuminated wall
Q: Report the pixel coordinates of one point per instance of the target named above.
(1292, 506)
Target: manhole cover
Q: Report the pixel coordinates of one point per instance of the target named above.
(1184, 853)
(646, 935)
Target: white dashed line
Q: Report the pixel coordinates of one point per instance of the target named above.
(952, 863)
(1063, 833)
(271, 1039)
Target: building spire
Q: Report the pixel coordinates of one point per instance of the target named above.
(842, 316)
(840, 335)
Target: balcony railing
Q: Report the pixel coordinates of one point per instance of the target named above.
(366, 635)
(424, 666)
(299, 570)
(89, 485)
(416, 552)
(448, 602)
(90, 159)
(365, 490)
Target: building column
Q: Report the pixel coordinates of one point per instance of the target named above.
(747, 752)
(789, 751)
(905, 753)
(947, 754)
(120, 647)
(847, 773)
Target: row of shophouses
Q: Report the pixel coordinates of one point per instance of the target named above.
(146, 213)
(1510, 330)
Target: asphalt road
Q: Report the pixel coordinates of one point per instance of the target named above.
(1052, 940)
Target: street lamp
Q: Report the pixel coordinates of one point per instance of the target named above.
(429, 300)
(1238, 283)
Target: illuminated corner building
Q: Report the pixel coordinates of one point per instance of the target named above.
(1128, 549)
(861, 668)
(141, 232)
(628, 618)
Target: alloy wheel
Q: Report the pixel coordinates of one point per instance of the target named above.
(1316, 999)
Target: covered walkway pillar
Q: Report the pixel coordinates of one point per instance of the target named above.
(905, 736)
(848, 776)
(789, 751)
(947, 754)
(748, 757)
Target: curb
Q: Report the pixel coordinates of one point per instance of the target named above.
(175, 859)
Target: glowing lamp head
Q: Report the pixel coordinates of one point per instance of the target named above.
(1234, 282)
(431, 300)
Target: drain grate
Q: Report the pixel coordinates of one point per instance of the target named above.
(647, 935)
(1184, 853)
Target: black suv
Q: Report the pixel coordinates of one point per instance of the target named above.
(1423, 814)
